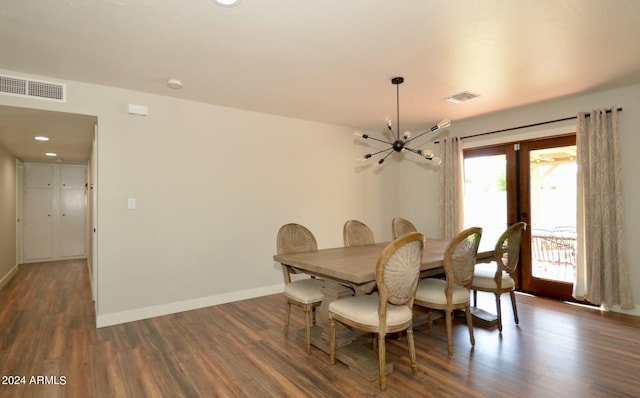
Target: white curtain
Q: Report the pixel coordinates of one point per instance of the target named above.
(602, 269)
(451, 187)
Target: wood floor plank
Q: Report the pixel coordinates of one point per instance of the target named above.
(108, 379)
(47, 329)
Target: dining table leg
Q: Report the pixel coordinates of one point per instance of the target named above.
(333, 291)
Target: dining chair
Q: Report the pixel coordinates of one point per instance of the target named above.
(401, 226)
(389, 310)
(356, 233)
(304, 293)
(497, 276)
(453, 292)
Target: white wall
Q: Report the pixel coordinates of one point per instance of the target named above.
(8, 265)
(212, 186)
(629, 125)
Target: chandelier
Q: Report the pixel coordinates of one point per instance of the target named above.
(400, 143)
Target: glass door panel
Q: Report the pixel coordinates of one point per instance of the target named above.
(553, 193)
(548, 205)
(485, 195)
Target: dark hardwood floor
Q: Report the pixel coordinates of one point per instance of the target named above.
(47, 329)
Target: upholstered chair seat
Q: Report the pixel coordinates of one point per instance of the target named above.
(306, 291)
(363, 309)
(431, 290)
(484, 277)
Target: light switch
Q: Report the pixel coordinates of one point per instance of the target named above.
(131, 203)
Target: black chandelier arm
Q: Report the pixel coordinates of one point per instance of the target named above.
(368, 137)
(367, 156)
(385, 156)
(424, 153)
(443, 124)
(434, 128)
(389, 127)
(417, 152)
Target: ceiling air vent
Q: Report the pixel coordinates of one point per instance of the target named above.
(33, 88)
(461, 97)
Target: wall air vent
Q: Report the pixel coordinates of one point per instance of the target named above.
(461, 97)
(17, 86)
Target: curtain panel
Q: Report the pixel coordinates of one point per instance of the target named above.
(451, 187)
(602, 270)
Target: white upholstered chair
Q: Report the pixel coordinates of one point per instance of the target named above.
(357, 233)
(303, 293)
(401, 226)
(453, 292)
(497, 276)
(389, 310)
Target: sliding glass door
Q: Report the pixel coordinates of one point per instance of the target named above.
(535, 182)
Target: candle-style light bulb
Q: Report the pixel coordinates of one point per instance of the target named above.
(428, 154)
(359, 134)
(406, 135)
(436, 160)
(444, 123)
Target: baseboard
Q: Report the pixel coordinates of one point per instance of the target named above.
(49, 260)
(616, 308)
(634, 311)
(5, 279)
(181, 306)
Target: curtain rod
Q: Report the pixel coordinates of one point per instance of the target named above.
(525, 126)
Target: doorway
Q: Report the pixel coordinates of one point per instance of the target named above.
(532, 181)
(74, 138)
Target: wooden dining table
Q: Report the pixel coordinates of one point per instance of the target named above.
(351, 270)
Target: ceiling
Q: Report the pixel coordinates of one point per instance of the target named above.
(70, 135)
(328, 61)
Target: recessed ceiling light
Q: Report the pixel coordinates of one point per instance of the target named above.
(227, 3)
(41, 138)
(51, 154)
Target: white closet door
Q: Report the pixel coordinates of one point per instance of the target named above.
(38, 175)
(72, 222)
(38, 224)
(73, 207)
(55, 212)
(73, 176)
